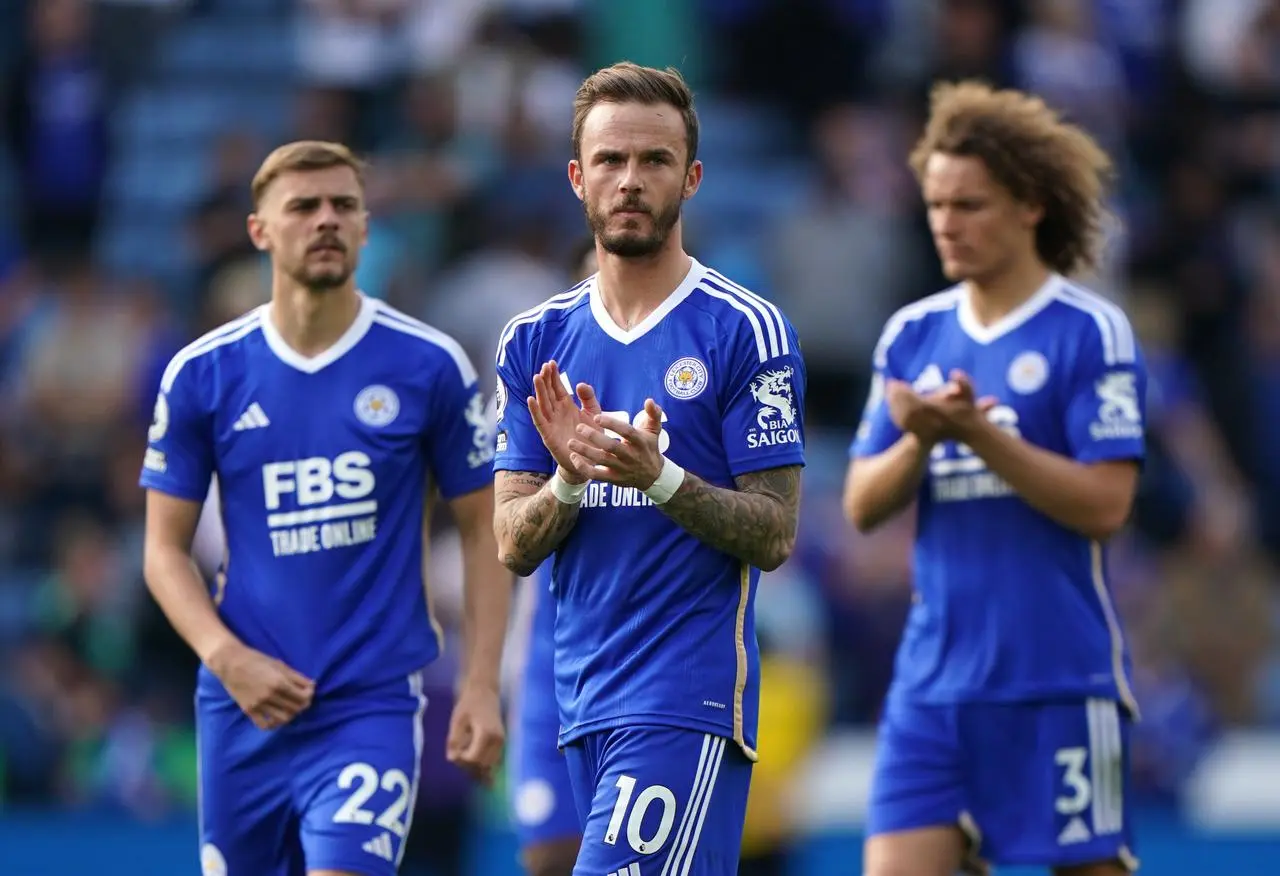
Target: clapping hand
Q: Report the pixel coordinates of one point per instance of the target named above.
(948, 413)
(632, 459)
(557, 416)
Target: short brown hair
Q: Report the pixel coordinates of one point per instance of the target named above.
(1036, 156)
(303, 155)
(626, 82)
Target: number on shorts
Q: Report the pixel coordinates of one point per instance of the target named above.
(1072, 761)
(366, 781)
(660, 793)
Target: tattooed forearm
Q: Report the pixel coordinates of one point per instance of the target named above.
(755, 522)
(528, 521)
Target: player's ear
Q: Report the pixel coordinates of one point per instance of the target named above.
(257, 232)
(692, 178)
(1031, 214)
(575, 179)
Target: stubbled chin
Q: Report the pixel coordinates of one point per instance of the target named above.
(328, 278)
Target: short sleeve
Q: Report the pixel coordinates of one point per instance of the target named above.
(460, 440)
(519, 446)
(763, 424)
(179, 457)
(876, 431)
(1107, 397)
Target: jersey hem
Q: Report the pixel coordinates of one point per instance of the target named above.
(1031, 696)
(176, 492)
(466, 488)
(522, 463)
(211, 691)
(862, 451)
(365, 867)
(577, 732)
(1137, 457)
(763, 464)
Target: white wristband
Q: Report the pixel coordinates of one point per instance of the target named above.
(669, 480)
(565, 492)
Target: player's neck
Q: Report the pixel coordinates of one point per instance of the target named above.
(312, 322)
(631, 288)
(992, 299)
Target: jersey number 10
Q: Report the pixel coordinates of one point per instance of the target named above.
(634, 823)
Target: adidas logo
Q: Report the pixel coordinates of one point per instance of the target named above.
(1074, 832)
(252, 418)
(380, 845)
(632, 869)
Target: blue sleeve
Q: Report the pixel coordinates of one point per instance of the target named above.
(1107, 398)
(460, 441)
(520, 447)
(877, 432)
(179, 457)
(763, 422)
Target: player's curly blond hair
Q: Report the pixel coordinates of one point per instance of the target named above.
(1035, 155)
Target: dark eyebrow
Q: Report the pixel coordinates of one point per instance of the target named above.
(656, 152)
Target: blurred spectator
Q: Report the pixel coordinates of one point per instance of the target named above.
(216, 227)
(473, 300)
(792, 716)
(419, 178)
(56, 125)
(442, 814)
(76, 383)
(856, 222)
(1058, 56)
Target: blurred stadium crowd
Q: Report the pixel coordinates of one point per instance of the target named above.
(132, 127)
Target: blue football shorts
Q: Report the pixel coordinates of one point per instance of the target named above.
(659, 800)
(332, 790)
(1039, 784)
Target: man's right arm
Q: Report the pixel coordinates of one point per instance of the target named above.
(529, 520)
(886, 465)
(173, 579)
(877, 487)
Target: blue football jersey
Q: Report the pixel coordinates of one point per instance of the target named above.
(652, 625)
(322, 467)
(1009, 605)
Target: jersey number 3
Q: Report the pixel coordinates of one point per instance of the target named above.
(1074, 781)
(366, 781)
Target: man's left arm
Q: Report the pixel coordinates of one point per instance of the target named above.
(487, 588)
(762, 432)
(755, 522)
(460, 449)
